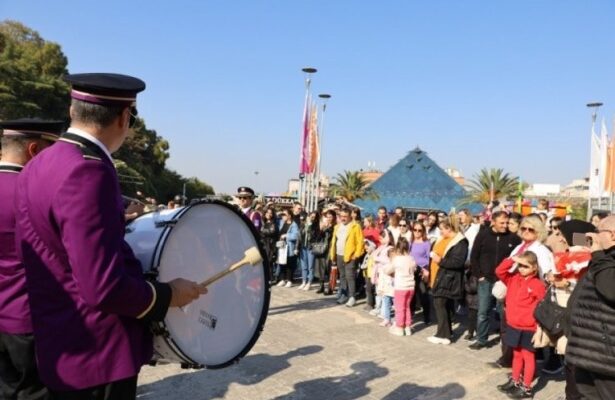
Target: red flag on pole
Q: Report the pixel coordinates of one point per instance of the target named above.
(303, 166)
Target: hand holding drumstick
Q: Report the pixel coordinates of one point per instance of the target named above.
(185, 291)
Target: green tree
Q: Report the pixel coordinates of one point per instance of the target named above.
(31, 72)
(487, 180)
(145, 150)
(170, 184)
(32, 85)
(143, 158)
(352, 186)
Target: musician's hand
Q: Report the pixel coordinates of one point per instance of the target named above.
(135, 208)
(185, 292)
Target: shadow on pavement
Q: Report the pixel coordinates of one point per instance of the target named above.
(411, 391)
(345, 387)
(315, 304)
(543, 379)
(215, 383)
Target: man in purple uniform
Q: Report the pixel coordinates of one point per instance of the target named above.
(21, 140)
(89, 301)
(246, 197)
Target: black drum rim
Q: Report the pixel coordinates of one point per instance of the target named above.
(267, 288)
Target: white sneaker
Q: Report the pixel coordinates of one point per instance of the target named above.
(281, 283)
(351, 302)
(301, 286)
(437, 340)
(375, 311)
(397, 331)
(288, 284)
(407, 331)
(307, 286)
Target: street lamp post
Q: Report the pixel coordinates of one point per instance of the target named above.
(324, 98)
(594, 106)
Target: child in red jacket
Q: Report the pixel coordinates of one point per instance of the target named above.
(524, 290)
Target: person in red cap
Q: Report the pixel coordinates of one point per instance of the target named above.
(22, 140)
(89, 301)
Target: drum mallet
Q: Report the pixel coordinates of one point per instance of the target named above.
(251, 256)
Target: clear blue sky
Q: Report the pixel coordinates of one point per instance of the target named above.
(474, 83)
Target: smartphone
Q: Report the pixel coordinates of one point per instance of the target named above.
(579, 239)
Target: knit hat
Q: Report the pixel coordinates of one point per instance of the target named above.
(567, 228)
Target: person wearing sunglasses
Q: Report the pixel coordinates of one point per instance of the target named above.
(90, 303)
(404, 231)
(533, 233)
(591, 345)
(419, 250)
(524, 290)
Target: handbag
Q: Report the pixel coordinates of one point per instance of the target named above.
(319, 248)
(283, 254)
(333, 278)
(550, 315)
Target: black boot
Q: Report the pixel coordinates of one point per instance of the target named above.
(508, 386)
(521, 392)
(321, 289)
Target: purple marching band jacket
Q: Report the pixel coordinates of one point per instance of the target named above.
(255, 217)
(89, 301)
(14, 309)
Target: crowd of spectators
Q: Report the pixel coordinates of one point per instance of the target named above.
(470, 272)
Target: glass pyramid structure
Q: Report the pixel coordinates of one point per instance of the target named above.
(415, 182)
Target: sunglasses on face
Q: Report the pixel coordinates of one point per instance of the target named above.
(417, 230)
(133, 117)
(527, 229)
(403, 225)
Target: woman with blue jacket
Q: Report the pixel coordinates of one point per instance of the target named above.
(289, 233)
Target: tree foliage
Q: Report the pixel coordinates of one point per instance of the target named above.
(146, 153)
(487, 180)
(31, 71)
(32, 85)
(352, 186)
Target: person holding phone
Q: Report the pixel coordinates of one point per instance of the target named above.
(591, 347)
(572, 256)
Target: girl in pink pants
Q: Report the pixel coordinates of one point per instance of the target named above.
(402, 267)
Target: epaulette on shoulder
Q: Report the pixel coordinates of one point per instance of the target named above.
(87, 152)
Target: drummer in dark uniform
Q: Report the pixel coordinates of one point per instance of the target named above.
(22, 139)
(90, 303)
(246, 197)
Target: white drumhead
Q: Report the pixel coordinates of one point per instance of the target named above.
(221, 325)
(143, 235)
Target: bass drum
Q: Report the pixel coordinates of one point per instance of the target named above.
(195, 243)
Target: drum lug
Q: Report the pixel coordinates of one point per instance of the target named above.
(164, 224)
(190, 366)
(160, 330)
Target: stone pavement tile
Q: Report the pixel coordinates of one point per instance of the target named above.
(312, 348)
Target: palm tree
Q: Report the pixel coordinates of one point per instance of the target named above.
(494, 180)
(352, 186)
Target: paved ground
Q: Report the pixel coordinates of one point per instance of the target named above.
(312, 348)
